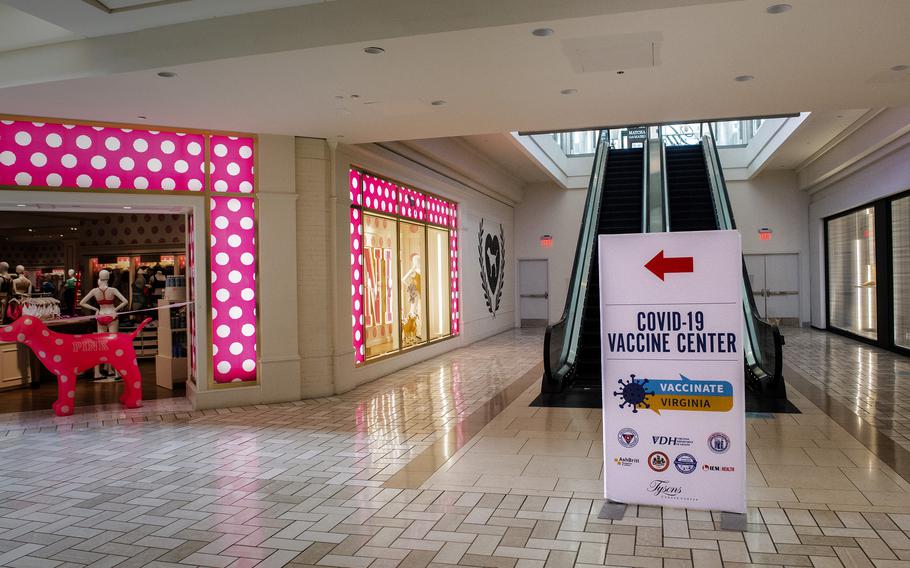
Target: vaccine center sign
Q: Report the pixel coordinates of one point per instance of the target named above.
(672, 359)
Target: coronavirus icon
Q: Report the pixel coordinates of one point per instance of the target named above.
(634, 392)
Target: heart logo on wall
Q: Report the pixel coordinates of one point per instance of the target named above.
(491, 251)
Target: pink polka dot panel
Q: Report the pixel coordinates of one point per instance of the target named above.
(52, 155)
(357, 317)
(233, 262)
(379, 194)
(370, 193)
(232, 164)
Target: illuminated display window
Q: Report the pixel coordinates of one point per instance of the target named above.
(404, 267)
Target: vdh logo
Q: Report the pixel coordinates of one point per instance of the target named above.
(725, 468)
(662, 487)
(685, 463)
(634, 393)
(626, 462)
(628, 438)
(719, 443)
(658, 461)
(491, 251)
(670, 441)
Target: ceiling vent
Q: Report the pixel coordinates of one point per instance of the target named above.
(613, 52)
(119, 6)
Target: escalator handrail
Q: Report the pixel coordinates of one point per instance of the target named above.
(768, 364)
(567, 326)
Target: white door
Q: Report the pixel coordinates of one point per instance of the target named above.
(782, 286)
(775, 285)
(534, 292)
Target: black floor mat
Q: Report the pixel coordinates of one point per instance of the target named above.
(592, 399)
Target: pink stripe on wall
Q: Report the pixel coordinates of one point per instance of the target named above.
(233, 234)
(61, 156)
(232, 164)
(38, 154)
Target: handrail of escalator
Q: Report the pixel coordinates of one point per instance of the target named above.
(766, 366)
(664, 183)
(559, 337)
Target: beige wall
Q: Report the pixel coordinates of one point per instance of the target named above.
(549, 209)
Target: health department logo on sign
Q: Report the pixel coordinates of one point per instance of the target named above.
(675, 394)
(685, 463)
(627, 437)
(719, 442)
(658, 461)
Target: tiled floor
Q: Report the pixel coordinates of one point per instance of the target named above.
(309, 483)
(872, 382)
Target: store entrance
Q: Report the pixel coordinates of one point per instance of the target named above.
(50, 264)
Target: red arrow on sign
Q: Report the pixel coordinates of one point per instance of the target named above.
(661, 265)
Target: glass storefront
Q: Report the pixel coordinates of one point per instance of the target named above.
(404, 278)
(900, 272)
(868, 272)
(851, 273)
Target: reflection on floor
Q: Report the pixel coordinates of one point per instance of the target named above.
(873, 383)
(309, 484)
(88, 392)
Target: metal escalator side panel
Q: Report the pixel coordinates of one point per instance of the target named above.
(558, 349)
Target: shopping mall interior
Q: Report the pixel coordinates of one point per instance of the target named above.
(414, 283)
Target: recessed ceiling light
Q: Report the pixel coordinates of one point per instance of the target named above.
(778, 8)
(620, 72)
(743, 78)
(568, 91)
(167, 74)
(127, 207)
(373, 50)
(543, 32)
(900, 68)
(438, 103)
(142, 117)
(21, 205)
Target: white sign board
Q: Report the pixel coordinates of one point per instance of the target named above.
(672, 358)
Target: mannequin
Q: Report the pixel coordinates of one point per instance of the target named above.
(6, 286)
(69, 292)
(139, 289)
(105, 296)
(413, 317)
(22, 285)
(158, 283)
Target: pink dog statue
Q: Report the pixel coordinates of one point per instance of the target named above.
(68, 355)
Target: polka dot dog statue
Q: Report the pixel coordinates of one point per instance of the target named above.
(68, 355)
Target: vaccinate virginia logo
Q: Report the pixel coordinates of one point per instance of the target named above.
(628, 438)
(702, 395)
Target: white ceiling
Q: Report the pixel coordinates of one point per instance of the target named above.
(19, 30)
(814, 134)
(83, 19)
(283, 71)
(503, 151)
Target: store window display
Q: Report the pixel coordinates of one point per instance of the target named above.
(381, 292)
(108, 301)
(413, 291)
(404, 277)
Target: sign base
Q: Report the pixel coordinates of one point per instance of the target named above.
(733, 522)
(612, 511)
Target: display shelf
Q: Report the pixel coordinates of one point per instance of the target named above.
(171, 368)
(14, 366)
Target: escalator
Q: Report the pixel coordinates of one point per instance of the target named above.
(695, 198)
(572, 346)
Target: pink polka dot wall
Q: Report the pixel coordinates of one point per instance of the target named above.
(369, 192)
(62, 155)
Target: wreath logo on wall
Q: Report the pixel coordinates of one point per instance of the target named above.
(491, 252)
